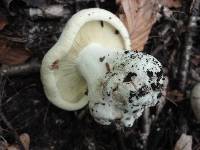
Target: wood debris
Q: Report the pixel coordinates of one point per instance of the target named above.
(53, 11)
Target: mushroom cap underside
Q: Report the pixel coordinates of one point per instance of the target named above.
(63, 84)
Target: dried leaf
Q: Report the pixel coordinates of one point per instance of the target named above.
(175, 96)
(139, 17)
(3, 21)
(171, 3)
(25, 139)
(12, 53)
(184, 143)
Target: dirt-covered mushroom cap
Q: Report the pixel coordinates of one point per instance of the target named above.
(63, 84)
(134, 82)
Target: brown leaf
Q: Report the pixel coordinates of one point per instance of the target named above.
(171, 3)
(184, 143)
(3, 21)
(175, 96)
(12, 53)
(139, 17)
(25, 139)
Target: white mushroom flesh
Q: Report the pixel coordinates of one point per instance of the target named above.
(120, 83)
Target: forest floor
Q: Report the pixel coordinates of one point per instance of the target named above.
(24, 107)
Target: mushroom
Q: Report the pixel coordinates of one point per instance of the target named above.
(92, 62)
(134, 81)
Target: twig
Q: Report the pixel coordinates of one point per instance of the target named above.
(97, 3)
(13, 39)
(77, 6)
(146, 127)
(194, 9)
(52, 11)
(32, 66)
(3, 117)
(7, 3)
(186, 53)
(183, 124)
(162, 100)
(46, 113)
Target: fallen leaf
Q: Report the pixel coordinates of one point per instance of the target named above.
(175, 96)
(139, 17)
(25, 139)
(184, 142)
(31, 3)
(171, 3)
(3, 21)
(12, 53)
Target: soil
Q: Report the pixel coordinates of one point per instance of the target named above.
(27, 110)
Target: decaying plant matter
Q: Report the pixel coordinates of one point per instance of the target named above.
(166, 29)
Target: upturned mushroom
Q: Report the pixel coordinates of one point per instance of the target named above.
(92, 62)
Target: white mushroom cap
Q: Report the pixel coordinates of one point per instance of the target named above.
(63, 84)
(135, 82)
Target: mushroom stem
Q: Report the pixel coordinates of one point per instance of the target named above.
(93, 63)
(120, 83)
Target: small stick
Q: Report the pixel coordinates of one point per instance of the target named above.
(52, 11)
(146, 127)
(32, 66)
(186, 53)
(162, 100)
(97, 4)
(77, 7)
(3, 117)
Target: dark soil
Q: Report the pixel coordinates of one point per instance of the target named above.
(27, 109)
